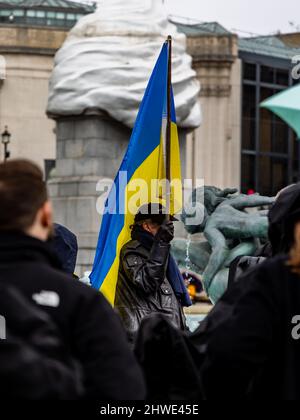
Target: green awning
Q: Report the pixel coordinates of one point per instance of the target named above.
(286, 105)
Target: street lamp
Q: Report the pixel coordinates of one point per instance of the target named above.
(5, 141)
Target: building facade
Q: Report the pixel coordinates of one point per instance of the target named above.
(239, 144)
(270, 149)
(213, 150)
(31, 32)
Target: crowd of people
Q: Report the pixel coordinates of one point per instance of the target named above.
(63, 340)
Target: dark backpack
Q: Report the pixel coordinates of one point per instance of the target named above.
(241, 265)
(170, 361)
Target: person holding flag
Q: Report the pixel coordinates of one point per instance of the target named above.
(133, 267)
(149, 280)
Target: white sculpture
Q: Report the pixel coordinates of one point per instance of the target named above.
(108, 58)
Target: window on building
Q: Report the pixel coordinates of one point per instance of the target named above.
(18, 13)
(71, 16)
(249, 173)
(60, 16)
(40, 14)
(282, 77)
(249, 117)
(250, 72)
(30, 13)
(5, 12)
(40, 17)
(51, 15)
(270, 151)
(267, 74)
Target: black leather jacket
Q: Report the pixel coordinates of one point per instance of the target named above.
(143, 288)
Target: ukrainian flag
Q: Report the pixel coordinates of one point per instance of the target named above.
(144, 166)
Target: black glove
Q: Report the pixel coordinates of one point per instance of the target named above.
(166, 232)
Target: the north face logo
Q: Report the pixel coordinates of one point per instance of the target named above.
(2, 328)
(47, 298)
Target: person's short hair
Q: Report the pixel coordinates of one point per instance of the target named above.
(23, 192)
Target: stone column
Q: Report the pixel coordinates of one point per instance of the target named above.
(89, 148)
(216, 148)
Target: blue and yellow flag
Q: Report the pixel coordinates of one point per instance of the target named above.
(141, 178)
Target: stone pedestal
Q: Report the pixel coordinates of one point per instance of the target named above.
(89, 148)
(215, 149)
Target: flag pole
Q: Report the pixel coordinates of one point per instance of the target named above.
(168, 134)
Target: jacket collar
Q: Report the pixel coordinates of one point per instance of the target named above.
(145, 238)
(18, 247)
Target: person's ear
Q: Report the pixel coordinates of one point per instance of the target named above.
(46, 215)
(297, 233)
(145, 226)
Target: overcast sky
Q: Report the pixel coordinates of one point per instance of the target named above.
(256, 16)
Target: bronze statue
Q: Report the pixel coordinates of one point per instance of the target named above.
(229, 230)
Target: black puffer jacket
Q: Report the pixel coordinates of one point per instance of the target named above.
(34, 362)
(252, 341)
(143, 288)
(89, 328)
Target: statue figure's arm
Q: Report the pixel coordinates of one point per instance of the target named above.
(226, 192)
(219, 254)
(220, 197)
(243, 201)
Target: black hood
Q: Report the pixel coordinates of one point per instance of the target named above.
(66, 248)
(282, 218)
(16, 247)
